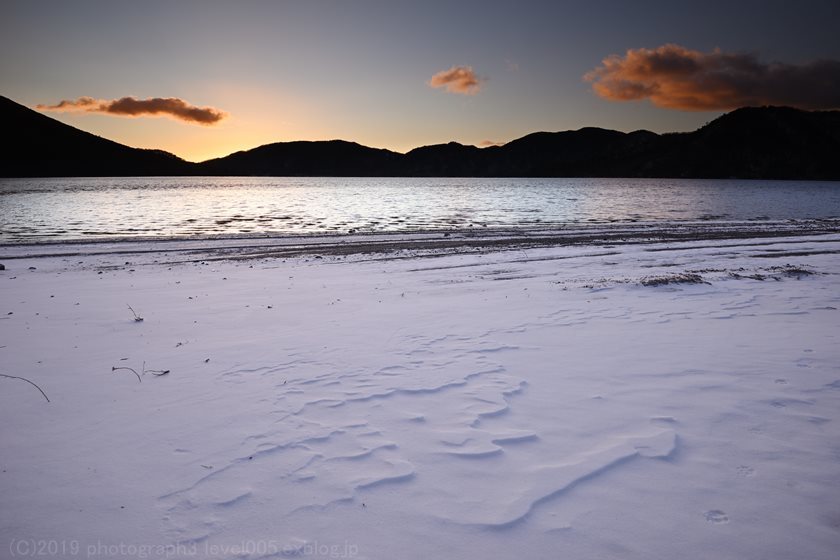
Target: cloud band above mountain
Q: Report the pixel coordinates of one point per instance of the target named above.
(675, 77)
(458, 79)
(133, 107)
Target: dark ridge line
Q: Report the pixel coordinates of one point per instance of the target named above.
(747, 143)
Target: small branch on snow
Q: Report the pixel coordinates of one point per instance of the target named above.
(30, 382)
(115, 368)
(137, 318)
(155, 372)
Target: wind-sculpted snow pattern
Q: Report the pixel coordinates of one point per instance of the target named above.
(335, 436)
(342, 432)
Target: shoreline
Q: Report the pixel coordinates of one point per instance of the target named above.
(422, 243)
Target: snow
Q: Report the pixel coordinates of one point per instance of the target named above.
(537, 402)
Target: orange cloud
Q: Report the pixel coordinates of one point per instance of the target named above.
(488, 143)
(458, 79)
(675, 77)
(130, 106)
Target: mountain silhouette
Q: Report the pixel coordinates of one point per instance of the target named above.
(333, 158)
(37, 146)
(748, 143)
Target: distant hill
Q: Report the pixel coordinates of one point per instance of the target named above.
(333, 158)
(759, 142)
(38, 146)
(748, 143)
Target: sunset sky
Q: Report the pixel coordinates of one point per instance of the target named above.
(203, 79)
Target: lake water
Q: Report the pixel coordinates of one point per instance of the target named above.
(105, 208)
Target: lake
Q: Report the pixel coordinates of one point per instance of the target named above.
(64, 209)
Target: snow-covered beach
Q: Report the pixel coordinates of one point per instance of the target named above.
(427, 396)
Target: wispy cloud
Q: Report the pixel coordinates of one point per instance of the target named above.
(133, 107)
(675, 77)
(458, 79)
(488, 143)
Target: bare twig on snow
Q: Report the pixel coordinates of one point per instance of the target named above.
(137, 318)
(28, 381)
(132, 370)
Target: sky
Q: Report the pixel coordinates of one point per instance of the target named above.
(203, 79)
